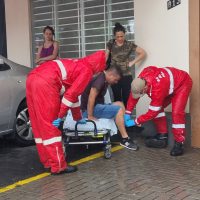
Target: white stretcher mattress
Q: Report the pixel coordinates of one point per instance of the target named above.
(102, 124)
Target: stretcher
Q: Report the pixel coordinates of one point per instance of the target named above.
(93, 132)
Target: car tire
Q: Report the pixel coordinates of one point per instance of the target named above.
(23, 130)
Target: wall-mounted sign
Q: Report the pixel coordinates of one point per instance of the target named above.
(173, 3)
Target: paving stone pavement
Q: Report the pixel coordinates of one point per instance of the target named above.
(148, 174)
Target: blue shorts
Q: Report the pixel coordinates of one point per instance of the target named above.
(107, 111)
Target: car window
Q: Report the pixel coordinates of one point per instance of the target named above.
(4, 67)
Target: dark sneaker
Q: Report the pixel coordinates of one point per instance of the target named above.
(129, 144)
(69, 169)
(157, 141)
(178, 149)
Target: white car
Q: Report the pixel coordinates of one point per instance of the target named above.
(14, 117)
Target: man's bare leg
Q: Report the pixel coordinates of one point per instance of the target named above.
(119, 120)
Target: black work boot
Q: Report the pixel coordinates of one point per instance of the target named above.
(157, 141)
(178, 149)
(69, 169)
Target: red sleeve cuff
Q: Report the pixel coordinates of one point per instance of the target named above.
(63, 111)
(76, 113)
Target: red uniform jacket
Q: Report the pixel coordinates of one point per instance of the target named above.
(162, 82)
(74, 75)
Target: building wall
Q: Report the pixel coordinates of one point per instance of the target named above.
(18, 31)
(164, 34)
(194, 52)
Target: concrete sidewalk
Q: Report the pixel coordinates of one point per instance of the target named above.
(146, 174)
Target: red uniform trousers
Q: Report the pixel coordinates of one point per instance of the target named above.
(43, 101)
(179, 100)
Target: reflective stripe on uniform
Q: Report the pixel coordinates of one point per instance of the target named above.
(171, 87)
(58, 157)
(162, 114)
(178, 125)
(62, 69)
(49, 141)
(38, 140)
(154, 108)
(70, 104)
(52, 140)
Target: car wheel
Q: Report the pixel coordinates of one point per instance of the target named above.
(23, 129)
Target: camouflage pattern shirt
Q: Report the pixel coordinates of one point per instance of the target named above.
(120, 54)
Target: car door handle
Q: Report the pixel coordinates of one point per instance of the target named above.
(19, 81)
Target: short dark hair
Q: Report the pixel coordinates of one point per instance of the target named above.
(118, 27)
(116, 69)
(49, 28)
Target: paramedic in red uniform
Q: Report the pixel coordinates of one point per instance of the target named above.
(164, 86)
(46, 109)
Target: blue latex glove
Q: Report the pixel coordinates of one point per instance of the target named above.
(127, 117)
(130, 123)
(56, 122)
(82, 121)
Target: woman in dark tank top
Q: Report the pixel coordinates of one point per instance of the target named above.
(49, 49)
(46, 51)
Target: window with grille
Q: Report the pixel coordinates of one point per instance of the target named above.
(81, 26)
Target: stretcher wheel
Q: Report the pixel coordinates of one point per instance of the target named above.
(107, 152)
